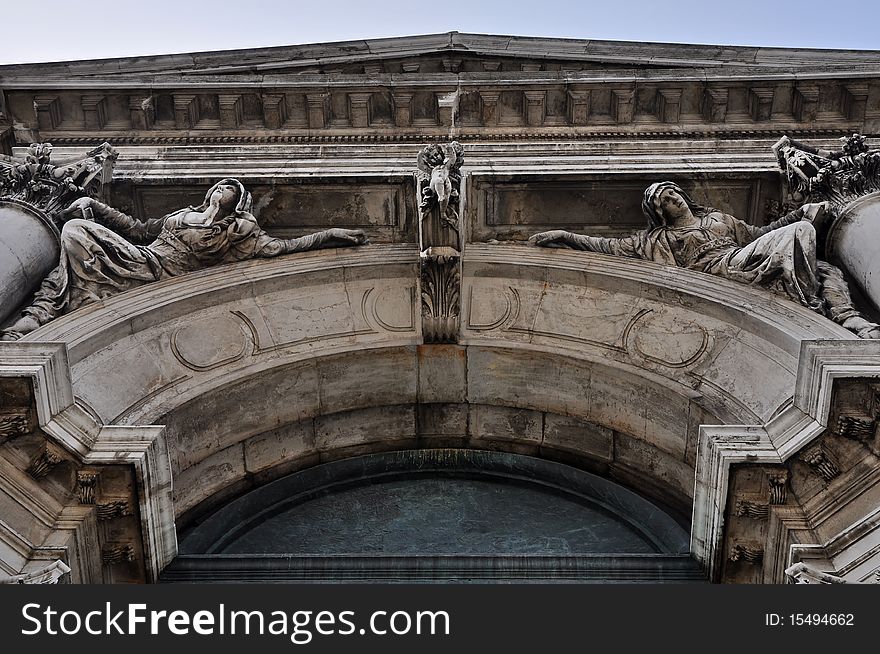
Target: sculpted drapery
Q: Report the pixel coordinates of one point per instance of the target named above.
(106, 251)
(780, 257)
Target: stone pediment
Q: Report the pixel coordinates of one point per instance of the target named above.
(420, 87)
(452, 52)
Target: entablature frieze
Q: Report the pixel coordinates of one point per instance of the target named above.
(371, 110)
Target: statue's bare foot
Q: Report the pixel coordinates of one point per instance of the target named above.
(862, 328)
(21, 327)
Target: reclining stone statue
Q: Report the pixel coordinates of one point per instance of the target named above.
(104, 251)
(780, 257)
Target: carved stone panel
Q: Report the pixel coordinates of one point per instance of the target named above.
(513, 208)
(385, 208)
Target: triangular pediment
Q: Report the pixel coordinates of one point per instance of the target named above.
(453, 52)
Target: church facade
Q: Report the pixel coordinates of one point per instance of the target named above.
(359, 365)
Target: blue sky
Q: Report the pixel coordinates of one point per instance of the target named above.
(52, 30)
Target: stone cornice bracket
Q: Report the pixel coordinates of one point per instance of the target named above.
(439, 186)
(821, 462)
(747, 552)
(778, 482)
(49, 187)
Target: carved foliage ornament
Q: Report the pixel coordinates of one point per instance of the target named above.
(12, 425)
(42, 464)
(51, 187)
(821, 462)
(778, 481)
(838, 177)
(112, 554)
(441, 298)
(86, 481)
(747, 552)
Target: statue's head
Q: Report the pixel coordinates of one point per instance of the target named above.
(663, 202)
(229, 195)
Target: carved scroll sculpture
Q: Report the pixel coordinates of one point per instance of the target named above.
(133, 253)
(439, 186)
(780, 257)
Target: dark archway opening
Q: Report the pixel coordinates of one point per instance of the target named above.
(437, 515)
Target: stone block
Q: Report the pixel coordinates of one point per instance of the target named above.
(581, 436)
(350, 428)
(442, 373)
(502, 423)
(209, 476)
(279, 446)
(372, 378)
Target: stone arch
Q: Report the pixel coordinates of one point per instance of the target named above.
(266, 367)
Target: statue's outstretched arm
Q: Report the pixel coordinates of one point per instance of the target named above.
(814, 213)
(121, 223)
(560, 238)
(329, 238)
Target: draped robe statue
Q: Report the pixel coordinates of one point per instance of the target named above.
(105, 251)
(780, 257)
